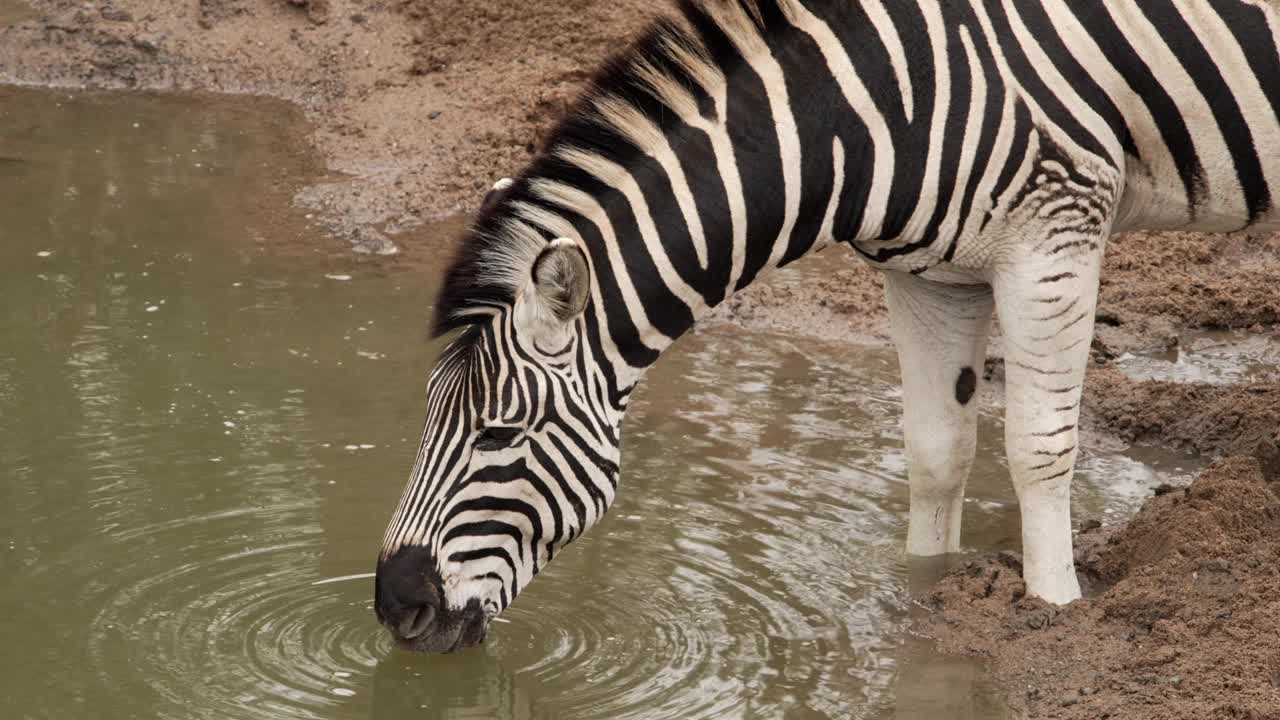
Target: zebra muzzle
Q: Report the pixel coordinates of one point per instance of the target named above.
(414, 625)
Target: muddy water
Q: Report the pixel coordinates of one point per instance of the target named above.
(203, 437)
(1219, 357)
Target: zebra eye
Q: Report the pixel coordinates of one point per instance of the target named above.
(497, 437)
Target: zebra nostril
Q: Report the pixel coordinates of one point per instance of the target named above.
(415, 624)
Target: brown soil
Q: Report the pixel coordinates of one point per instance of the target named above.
(1154, 285)
(1203, 418)
(419, 105)
(1186, 629)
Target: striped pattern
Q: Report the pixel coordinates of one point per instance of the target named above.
(980, 142)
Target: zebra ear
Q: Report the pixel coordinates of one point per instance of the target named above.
(561, 280)
(555, 294)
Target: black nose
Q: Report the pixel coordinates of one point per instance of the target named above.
(408, 593)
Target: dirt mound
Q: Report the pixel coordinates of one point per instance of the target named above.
(1201, 417)
(1155, 284)
(1188, 628)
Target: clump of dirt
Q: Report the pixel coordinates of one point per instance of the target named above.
(1156, 284)
(1204, 418)
(1186, 629)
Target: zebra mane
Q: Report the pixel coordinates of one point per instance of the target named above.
(672, 70)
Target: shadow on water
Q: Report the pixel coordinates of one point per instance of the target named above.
(205, 435)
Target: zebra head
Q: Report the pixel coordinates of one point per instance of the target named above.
(519, 457)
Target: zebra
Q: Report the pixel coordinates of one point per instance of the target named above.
(978, 152)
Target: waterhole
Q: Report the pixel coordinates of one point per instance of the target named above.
(207, 418)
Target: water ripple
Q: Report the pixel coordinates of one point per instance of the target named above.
(243, 634)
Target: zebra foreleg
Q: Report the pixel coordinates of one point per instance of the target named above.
(1046, 307)
(941, 335)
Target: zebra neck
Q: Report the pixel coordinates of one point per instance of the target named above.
(763, 146)
(670, 241)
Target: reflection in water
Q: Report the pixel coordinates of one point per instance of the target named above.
(203, 443)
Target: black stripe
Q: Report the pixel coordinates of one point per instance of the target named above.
(953, 138)
(1059, 431)
(992, 119)
(1056, 278)
(495, 504)
(911, 140)
(426, 511)
(467, 556)
(703, 175)
(815, 105)
(753, 137)
(487, 528)
(563, 390)
(953, 132)
(579, 473)
(618, 323)
(674, 240)
(666, 312)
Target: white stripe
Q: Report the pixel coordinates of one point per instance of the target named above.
(775, 84)
(826, 235)
(982, 200)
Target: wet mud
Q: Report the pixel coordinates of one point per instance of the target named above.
(1185, 628)
(418, 105)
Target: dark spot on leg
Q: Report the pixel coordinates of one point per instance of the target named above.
(966, 384)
